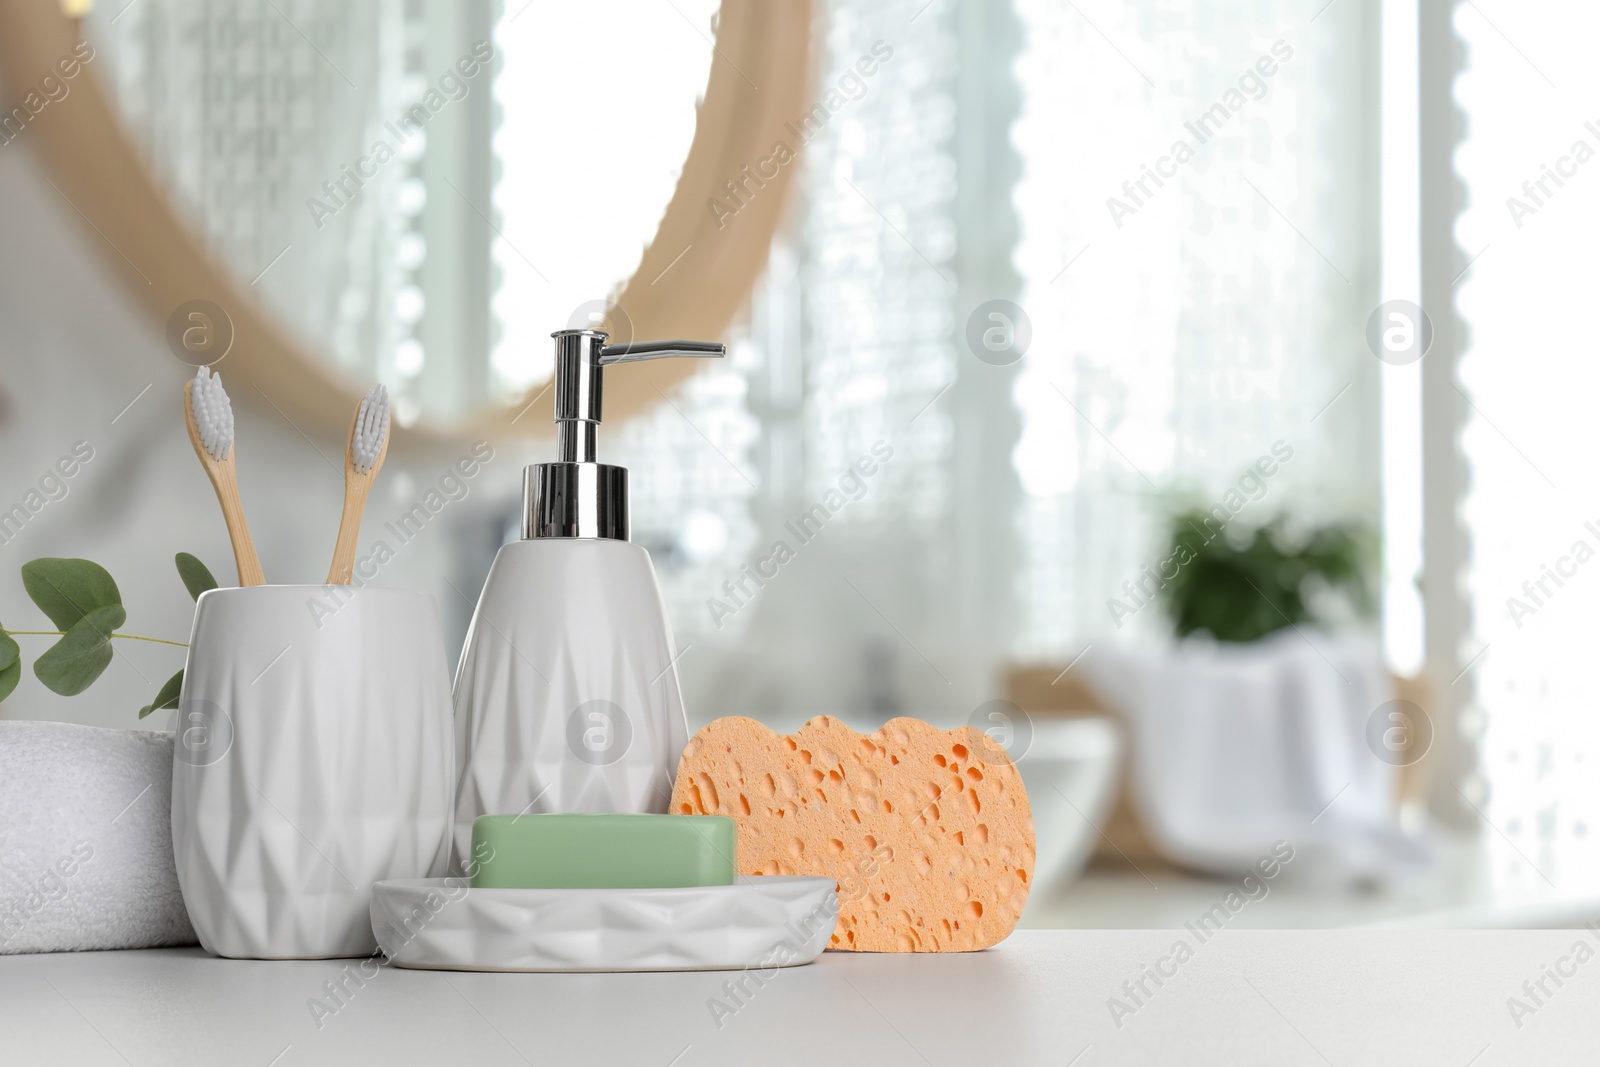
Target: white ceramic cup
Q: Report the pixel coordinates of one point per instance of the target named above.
(314, 756)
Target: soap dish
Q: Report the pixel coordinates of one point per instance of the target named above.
(763, 921)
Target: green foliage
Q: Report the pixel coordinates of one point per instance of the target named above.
(1244, 588)
(167, 698)
(196, 578)
(11, 656)
(68, 589)
(82, 599)
(73, 663)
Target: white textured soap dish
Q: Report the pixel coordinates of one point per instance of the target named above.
(440, 924)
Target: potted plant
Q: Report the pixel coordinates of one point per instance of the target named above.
(1256, 726)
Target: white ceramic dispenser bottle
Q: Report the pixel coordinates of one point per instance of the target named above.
(567, 698)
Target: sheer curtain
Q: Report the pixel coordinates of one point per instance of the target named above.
(852, 346)
(1225, 314)
(1199, 231)
(1532, 504)
(437, 264)
(940, 511)
(246, 111)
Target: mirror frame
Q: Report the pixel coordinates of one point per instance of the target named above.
(695, 275)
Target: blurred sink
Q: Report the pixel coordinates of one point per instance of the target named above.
(1070, 769)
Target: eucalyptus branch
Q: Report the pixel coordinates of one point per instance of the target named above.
(125, 637)
(82, 599)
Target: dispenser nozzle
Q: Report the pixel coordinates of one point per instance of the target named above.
(577, 496)
(610, 354)
(580, 355)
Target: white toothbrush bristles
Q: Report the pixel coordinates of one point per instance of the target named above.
(372, 428)
(213, 413)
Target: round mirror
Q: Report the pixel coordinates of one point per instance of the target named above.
(419, 193)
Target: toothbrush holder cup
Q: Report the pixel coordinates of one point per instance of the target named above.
(314, 756)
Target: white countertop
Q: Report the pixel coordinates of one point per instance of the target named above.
(1245, 997)
(1475, 882)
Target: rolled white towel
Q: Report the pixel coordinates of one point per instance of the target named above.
(86, 840)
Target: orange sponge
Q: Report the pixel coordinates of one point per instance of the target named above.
(927, 831)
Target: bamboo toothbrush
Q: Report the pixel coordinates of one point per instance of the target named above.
(363, 455)
(209, 416)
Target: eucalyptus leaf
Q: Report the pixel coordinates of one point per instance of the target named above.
(168, 697)
(11, 656)
(72, 664)
(68, 590)
(10, 664)
(196, 577)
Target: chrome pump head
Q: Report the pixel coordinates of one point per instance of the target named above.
(576, 496)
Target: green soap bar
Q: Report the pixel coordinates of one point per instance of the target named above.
(602, 851)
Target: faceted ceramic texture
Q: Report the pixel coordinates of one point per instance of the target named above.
(567, 696)
(314, 757)
(762, 923)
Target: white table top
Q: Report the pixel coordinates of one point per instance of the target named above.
(1245, 997)
(1475, 882)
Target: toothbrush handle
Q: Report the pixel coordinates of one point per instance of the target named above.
(244, 550)
(344, 549)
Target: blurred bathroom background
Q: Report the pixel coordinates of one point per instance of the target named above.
(1054, 334)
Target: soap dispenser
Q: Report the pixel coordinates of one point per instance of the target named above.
(567, 697)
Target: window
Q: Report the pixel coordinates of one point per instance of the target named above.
(1196, 281)
(1172, 346)
(1185, 310)
(1527, 161)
